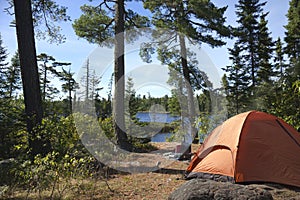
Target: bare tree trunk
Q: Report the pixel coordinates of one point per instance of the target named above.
(190, 96)
(29, 71)
(70, 95)
(87, 84)
(119, 115)
(186, 74)
(45, 82)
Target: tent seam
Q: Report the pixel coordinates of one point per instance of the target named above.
(238, 144)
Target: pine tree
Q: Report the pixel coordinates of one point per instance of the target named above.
(131, 108)
(280, 75)
(14, 76)
(279, 60)
(69, 85)
(292, 35)
(44, 70)
(256, 48)
(90, 82)
(264, 91)
(178, 22)
(29, 70)
(48, 70)
(292, 39)
(290, 107)
(265, 52)
(248, 14)
(130, 98)
(236, 83)
(25, 12)
(106, 25)
(3, 68)
(95, 85)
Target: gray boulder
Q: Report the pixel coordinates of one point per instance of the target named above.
(201, 189)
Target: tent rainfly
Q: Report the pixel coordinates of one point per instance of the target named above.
(250, 147)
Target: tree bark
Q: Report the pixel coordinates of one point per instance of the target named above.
(186, 74)
(70, 93)
(29, 71)
(190, 95)
(119, 70)
(87, 84)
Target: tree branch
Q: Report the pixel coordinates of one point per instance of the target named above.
(198, 24)
(46, 22)
(130, 20)
(106, 5)
(171, 40)
(7, 10)
(196, 79)
(107, 25)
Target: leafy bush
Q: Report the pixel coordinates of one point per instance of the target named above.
(12, 123)
(53, 171)
(107, 127)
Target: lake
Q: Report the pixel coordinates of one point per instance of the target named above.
(157, 117)
(161, 137)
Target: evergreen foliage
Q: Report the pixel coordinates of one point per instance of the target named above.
(3, 68)
(14, 83)
(106, 24)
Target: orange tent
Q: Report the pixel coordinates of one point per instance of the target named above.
(251, 147)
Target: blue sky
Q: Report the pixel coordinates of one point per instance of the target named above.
(76, 50)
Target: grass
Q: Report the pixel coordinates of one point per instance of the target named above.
(152, 185)
(140, 186)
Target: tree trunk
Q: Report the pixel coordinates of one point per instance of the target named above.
(186, 74)
(70, 94)
(29, 71)
(118, 112)
(187, 81)
(87, 80)
(45, 81)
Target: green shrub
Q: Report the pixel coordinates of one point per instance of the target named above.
(107, 127)
(52, 173)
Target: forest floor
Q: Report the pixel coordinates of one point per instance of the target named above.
(151, 185)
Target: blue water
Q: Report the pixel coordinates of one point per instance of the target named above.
(160, 137)
(156, 117)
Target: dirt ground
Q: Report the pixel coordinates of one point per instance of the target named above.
(141, 186)
(159, 184)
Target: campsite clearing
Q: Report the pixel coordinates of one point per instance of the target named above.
(151, 185)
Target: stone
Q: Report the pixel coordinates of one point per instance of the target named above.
(202, 189)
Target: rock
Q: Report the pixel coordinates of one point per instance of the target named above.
(201, 189)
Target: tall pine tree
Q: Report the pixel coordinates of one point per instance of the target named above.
(236, 82)
(279, 60)
(248, 13)
(178, 22)
(264, 91)
(265, 52)
(69, 85)
(45, 68)
(106, 24)
(292, 35)
(254, 49)
(3, 68)
(292, 38)
(29, 71)
(14, 76)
